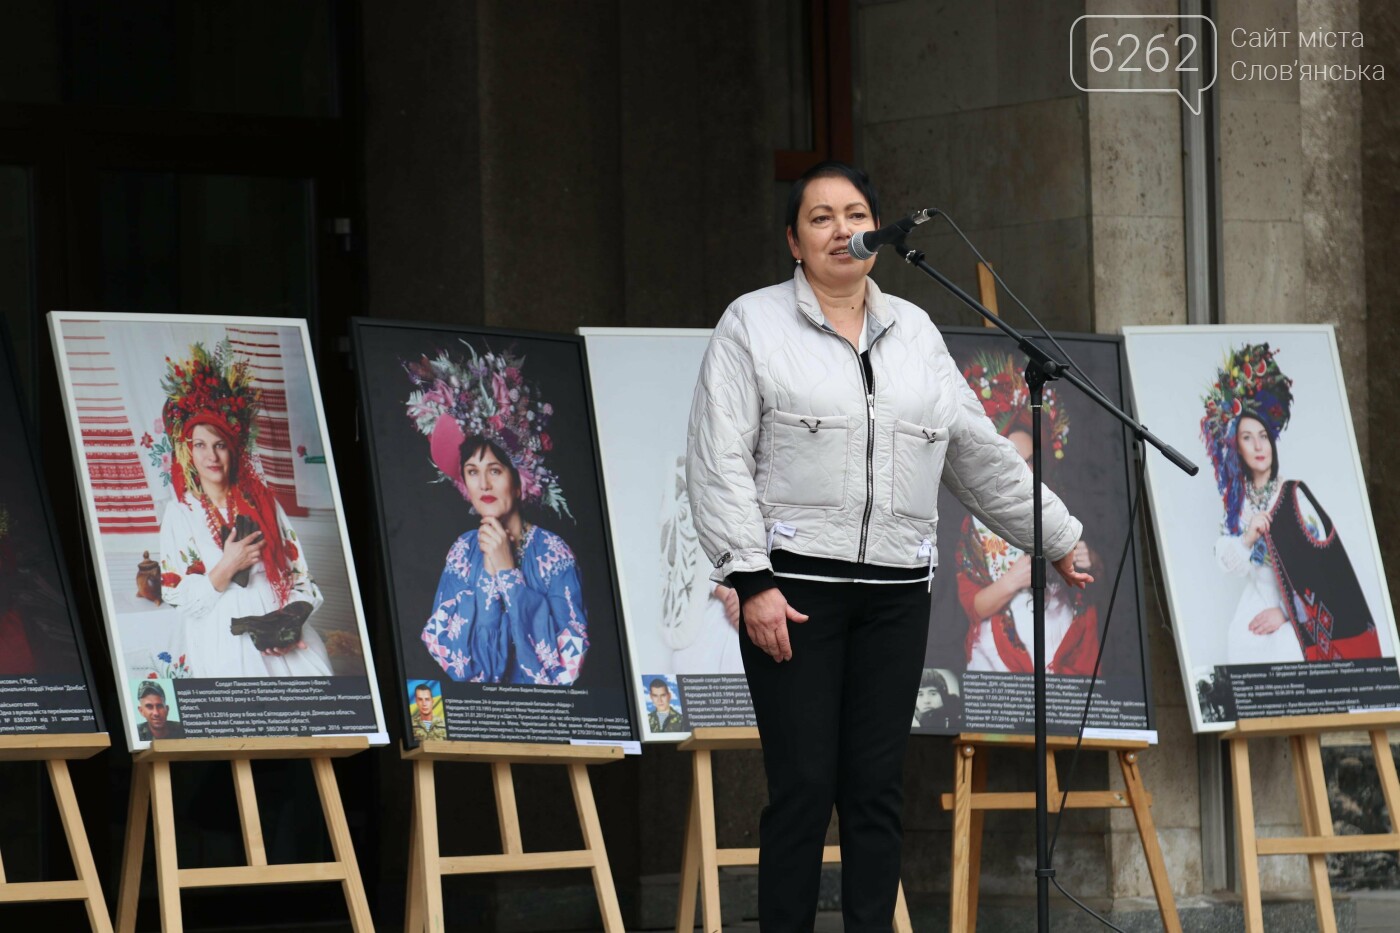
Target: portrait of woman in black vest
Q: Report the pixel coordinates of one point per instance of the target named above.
(1302, 600)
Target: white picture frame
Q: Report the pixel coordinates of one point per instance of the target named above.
(642, 442)
(1171, 370)
(134, 385)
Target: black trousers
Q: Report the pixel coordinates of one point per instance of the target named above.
(835, 724)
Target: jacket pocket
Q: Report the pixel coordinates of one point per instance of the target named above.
(808, 465)
(916, 466)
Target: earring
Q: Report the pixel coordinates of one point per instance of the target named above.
(799, 262)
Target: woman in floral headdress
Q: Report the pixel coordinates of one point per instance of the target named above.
(509, 604)
(231, 564)
(1301, 599)
(994, 576)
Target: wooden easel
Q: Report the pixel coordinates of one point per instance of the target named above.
(56, 750)
(1304, 740)
(150, 792)
(970, 801)
(987, 290)
(427, 865)
(702, 859)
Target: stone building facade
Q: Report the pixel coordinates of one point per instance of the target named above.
(550, 165)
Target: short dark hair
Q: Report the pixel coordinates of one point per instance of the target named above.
(426, 687)
(933, 679)
(659, 682)
(149, 688)
(831, 168)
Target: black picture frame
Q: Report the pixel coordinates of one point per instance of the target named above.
(28, 440)
(362, 332)
(1117, 392)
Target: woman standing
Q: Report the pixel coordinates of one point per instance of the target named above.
(509, 604)
(825, 414)
(231, 564)
(1301, 598)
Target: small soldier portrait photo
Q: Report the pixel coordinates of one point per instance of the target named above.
(662, 699)
(425, 710)
(155, 707)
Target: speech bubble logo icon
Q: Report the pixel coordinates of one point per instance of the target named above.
(1145, 54)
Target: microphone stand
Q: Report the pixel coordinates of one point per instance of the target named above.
(1041, 368)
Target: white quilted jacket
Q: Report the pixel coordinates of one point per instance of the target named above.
(782, 434)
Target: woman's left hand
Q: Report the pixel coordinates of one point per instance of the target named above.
(1066, 566)
(278, 652)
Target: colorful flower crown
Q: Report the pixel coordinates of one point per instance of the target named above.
(213, 389)
(485, 396)
(1001, 387)
(1248, 382)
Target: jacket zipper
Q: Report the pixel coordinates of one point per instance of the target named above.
(869, 430)
(870, 468)
(869, 439)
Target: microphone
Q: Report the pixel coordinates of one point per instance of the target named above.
(866, 243)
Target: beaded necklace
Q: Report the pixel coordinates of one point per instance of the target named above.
(1259, 496)
(217, 526)
(518, 547)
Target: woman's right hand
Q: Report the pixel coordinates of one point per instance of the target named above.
(766, 616)
(238, 556)
(1258, 525)
(996, 596)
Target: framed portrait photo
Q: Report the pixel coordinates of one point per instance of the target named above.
(216, 527)
(978, 669)
(1273, 574)
(682, 628)
(45, 681)
(494, 533)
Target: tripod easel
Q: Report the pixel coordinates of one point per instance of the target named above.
(427, 866)
(970, 801)
(1304, 735)
(151, 797)
(56, 750)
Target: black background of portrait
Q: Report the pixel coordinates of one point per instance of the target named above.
(421, 518)
(1096, 483)
(39, 580)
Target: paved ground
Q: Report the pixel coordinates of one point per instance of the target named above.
(1377, 911)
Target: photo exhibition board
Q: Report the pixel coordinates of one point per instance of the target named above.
(45, 681)
(978, 672)
(494, 533)
(216, 527)
(1273, 574)
(682, 629)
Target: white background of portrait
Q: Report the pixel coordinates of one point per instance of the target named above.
(139, 344)
(1171, 369)
(643, 380)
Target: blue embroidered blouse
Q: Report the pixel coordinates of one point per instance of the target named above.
(522, 626)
